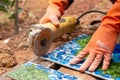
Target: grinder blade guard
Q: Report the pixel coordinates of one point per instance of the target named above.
(42, 39)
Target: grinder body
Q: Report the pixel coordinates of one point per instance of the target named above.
(42, 35)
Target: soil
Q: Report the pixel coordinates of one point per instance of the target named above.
(15, 50)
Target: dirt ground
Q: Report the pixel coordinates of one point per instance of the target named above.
(16, 50)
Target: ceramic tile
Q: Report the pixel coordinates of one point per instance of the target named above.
(32, 71)
(64, 53)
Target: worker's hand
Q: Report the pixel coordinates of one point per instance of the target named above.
(99, 49)
(96, 51)
(52, 15)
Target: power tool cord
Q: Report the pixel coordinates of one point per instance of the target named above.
(91, 11)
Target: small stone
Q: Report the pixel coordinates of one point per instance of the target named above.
(7, 60)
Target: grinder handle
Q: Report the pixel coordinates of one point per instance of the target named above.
(66, 25)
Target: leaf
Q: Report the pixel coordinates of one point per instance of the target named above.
(12, 3)
(4, 9)
(12, 15)
(5, 1)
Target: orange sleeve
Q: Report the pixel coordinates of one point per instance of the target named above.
(63, 4)
(110, 27)
(112, 19)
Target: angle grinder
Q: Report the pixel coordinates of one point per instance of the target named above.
(41, 36)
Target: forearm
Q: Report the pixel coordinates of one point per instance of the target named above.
(110, 26)
(112, 19)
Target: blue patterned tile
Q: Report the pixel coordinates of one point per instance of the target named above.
(117, 78)
(68, 77)
(66, 52)
(45, 56)
(107, 76)
(61, 53)
(52, 77)
(77, 66)
(32, 71)
(64, 61)
(28, 64)
(74, 52)
(116, 57)
(98, 72)
(46, 70)
(54, 59)
(58, 73)
(69, 57)
(39, 67)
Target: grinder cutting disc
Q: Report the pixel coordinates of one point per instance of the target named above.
(42, 41)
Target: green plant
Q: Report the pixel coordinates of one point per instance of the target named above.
(7, 7)
(11, 8)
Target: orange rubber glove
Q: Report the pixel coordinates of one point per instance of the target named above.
(54, 11)
(102, 43)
